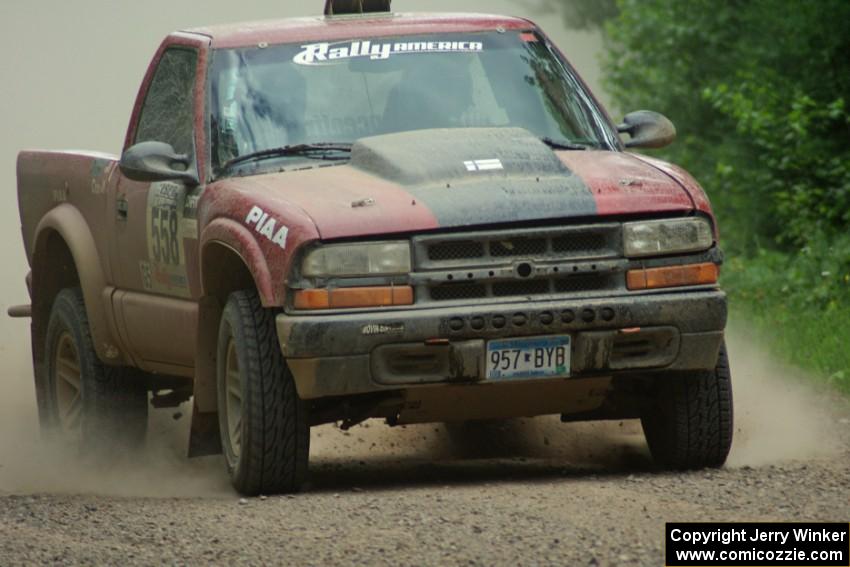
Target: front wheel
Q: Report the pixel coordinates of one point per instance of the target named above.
(265, 433)
(690, 425)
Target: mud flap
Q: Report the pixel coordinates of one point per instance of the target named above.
(204, 435)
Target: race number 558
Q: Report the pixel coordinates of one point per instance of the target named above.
(164, 240)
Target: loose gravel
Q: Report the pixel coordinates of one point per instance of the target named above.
(530, 492)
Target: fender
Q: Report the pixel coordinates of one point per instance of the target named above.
(239, 239)
(683, 178)
(204, 437)
(70, 224)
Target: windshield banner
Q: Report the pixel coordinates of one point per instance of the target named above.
(329, 53)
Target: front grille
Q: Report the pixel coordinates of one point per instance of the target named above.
(590, 241)
(529, 247)
(451, 292)
(459, 250)
(534, 287)
(519, 263)
(582, 243)
(577, 284)
(573, 284)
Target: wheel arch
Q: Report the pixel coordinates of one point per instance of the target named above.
(230, 260)
(65, 255)
(226, 244)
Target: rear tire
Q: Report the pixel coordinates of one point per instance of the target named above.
(97, 407)
(265, 434)
(691, 424)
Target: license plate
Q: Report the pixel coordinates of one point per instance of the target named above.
(536, 357)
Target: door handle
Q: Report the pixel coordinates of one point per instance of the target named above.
(123, 208)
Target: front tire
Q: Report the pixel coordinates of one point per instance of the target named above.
(690, 426)
(264, 428)
(90, 405)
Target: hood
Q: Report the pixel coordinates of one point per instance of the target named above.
(431, 179)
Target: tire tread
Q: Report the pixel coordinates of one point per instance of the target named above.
(692, 425)
(278, 441)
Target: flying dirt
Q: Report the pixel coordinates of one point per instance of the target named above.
(563, 493)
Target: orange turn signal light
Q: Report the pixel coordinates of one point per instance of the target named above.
(348, 297)
(672, 276)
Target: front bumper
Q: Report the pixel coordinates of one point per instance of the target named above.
(356, 353)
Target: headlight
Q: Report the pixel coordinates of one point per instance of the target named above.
(655, 238)
(380, 258)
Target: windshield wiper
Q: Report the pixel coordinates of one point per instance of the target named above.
(321, 150)
(565, 145)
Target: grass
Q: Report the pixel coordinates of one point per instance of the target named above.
(800, 305)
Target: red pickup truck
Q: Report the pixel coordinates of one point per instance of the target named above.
(420, 218)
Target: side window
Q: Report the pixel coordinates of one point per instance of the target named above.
(168, 111)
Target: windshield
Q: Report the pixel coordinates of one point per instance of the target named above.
(270, 97)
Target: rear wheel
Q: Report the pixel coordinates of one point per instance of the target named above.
(90, 405)
(690, 425)
(264, 429)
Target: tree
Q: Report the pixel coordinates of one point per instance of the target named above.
(759, 90)
(581, 14)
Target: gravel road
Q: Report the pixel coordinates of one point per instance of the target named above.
(533, 492)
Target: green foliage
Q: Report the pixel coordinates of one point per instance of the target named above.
(801, 303)
(759, 92)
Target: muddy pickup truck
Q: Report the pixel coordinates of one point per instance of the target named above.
(418, 218)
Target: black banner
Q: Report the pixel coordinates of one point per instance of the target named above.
(757, 544)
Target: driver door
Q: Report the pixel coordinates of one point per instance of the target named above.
(149, 249)
(155, 229)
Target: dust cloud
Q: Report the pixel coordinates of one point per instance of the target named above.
(29, 464)
(73, 87)
(780, 413)
(780, 418)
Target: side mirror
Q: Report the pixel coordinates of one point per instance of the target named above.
(647, 129)
(157, 161)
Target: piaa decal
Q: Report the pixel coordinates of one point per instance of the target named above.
(267, 225)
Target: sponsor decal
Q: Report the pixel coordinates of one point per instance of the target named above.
(190, 207)
(330, 53)
(99, 177)
(484, 165)
(375, 329)
(267, 225)
(147, 275)
(189, 224)
(165, 270)
(60, 195)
